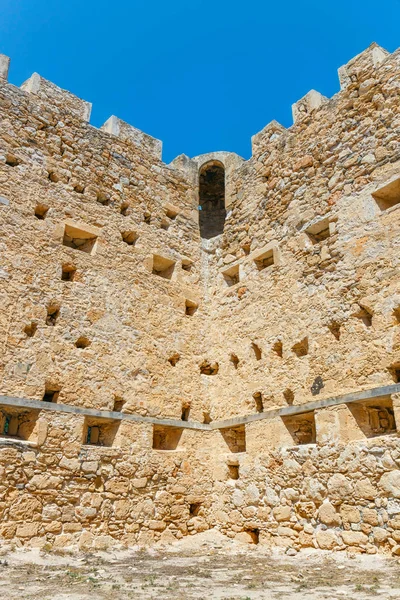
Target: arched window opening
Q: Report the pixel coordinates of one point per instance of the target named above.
(212, 200)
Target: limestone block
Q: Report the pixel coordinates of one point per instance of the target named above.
(282, 513)
(380, 535)
(339, 487)
(354, 538)
(390, 483)
(25, 508)
(363, 488)
(27, 530)
(350, 514)
(139, 483)
(90, 466)
(86, 541)
(327, 540)
(244, 537)
(327, 514)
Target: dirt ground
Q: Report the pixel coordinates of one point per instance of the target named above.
(206, 566)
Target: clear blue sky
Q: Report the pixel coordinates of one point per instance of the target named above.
(201, 76)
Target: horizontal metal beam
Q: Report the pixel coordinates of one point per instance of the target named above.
(38, 405)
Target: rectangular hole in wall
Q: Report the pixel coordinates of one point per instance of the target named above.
(166, 438)
(41, 211)
(190, 307)
(11, 160)
(53, 312)
(233, 471)
(100, 432)
(125, 209)
(68, 272)
(319, 231)
(171, 211)
(51, 393)
(388, 196)
(264, 260)
(301, 348)
(301, 428)
(231, 275)
(374, 417)
(103, 198)
(185, 411)
(165, 224)
(394, 370)
(119, 403)
(235, 438)
(258, 401)
(163, 267)
(78, 238)
(18, 423)
(187, 264)
(129, 237)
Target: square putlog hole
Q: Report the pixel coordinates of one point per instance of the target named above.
(68, 272)
(319, 231)
(41, 211)
(388, 196)
(190, 307)
(301, 428)
(374, 417)
(235, 438)
(163, 267)
(166, 438)
(100, 432)
(80, 238)
(265, 260)
(18, 423)
(129, 237)
(231, 275)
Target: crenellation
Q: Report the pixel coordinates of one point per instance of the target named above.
(126, 132)
(4, 66)
(351, 72)
(61, 99)
(306, 105)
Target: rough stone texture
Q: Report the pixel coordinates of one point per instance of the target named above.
(112, 301)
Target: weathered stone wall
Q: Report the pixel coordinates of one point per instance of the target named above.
(326, 309)
(111, 301)
(134, 320)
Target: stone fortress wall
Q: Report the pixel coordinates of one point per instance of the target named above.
(157, 381)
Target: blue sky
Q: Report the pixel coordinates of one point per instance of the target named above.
(201, 76)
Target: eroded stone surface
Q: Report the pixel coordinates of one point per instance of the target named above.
(112, 301)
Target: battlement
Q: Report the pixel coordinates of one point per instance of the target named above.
(352, 74)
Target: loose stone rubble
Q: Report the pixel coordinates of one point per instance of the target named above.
(162, 374)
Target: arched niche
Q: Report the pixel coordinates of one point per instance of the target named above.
(212, 212)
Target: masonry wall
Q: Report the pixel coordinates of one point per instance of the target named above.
(111, 301)
(133, 320)
(326, 309)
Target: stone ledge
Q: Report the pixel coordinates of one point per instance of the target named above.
(39, 405)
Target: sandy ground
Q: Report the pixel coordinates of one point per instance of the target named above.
(203, 566)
